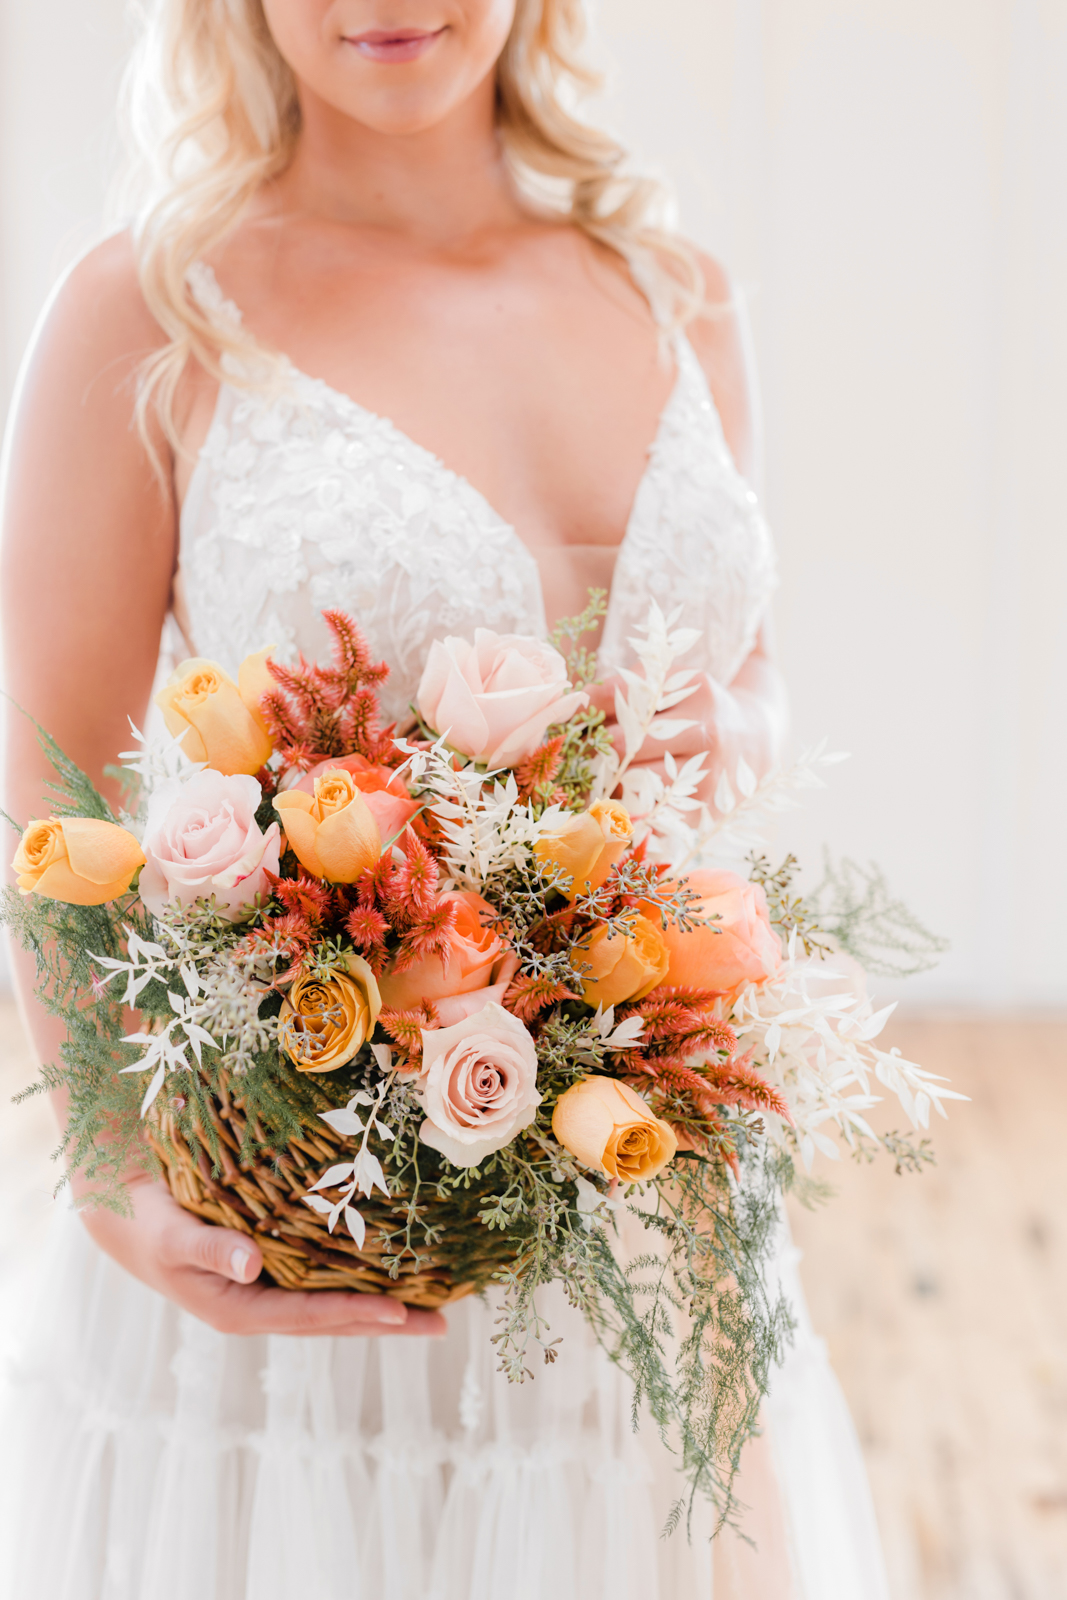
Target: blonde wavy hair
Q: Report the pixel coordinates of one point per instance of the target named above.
(212, 113)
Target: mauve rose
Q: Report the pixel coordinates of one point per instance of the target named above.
(388, 801)
(495, 699)
(478, 967)
(202, 839)
(478, 1085)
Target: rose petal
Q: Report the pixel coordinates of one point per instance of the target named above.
(294, 807)
(348, 842)
(524, 740)
(253, 682)
(58, 882)
(101, 852)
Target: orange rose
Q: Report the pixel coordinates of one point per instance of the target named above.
(220, 721)
(740, 948)
(608, 1127)
(82, 861)
(323, 1023)
(622, 967)
(387, 798)
(332, 831)
(476, 971)
(587, 846)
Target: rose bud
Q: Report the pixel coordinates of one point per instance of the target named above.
(82, 861)
(219, 721)
(494, 699)
(607, 1126)
(738, 949)
(587, 846)
(323, 1023)
(622, 967)
(333, 832)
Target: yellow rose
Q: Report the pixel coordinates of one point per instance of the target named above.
(333, 831)
(219, 721)
(587, 846)
(80, 860)
(622, 968)
(322, 1025)
(605, 1125)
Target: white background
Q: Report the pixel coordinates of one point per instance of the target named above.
(887, 181)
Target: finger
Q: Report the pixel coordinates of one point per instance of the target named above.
(188, 1242)
(418, 1324)
(260, 1308)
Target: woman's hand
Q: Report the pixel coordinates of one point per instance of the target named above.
(211, 1272)
(746, 721)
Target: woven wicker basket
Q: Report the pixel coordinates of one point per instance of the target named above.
(264, 1200)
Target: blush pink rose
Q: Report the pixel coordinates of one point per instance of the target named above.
(478, 1085)
(202, 839)
(740, 948)
(388, 801)
(477, 968)
(494, 699)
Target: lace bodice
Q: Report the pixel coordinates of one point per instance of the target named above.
(302, 499)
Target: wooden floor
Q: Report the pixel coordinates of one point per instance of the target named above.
(943, 1299)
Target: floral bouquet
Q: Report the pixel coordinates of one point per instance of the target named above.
(430, 1014)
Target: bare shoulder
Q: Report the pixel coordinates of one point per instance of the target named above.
(718, 341)
(96, 327)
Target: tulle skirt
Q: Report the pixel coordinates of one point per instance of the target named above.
(145, 1457)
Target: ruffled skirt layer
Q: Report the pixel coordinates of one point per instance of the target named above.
(146, 1457)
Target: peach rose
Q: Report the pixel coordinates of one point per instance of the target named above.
(82, 861)
(388, 800)
(623, 967)
(202, 839)
(494, 699)
(478, 1085)
(323, 1023)
(587, 846)
(477, 969)
(607, 1126)
(740, 948)
(332, 830)
(220, 721)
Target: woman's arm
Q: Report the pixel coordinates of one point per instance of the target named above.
(89, 540)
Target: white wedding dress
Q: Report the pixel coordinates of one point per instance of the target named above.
(146, 1457)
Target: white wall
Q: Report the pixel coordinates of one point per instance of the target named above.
(60, 66)
(887, 179)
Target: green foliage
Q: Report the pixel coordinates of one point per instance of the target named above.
(569, 631)
(690, 1318)
(853, 903)
(907, 1154)
(788, 911)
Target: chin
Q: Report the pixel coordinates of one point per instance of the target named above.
(403, 115)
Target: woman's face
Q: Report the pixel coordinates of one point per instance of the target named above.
(397, 66)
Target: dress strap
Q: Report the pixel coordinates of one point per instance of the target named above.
(207, 292)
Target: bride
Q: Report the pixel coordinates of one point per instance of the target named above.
(353, 211)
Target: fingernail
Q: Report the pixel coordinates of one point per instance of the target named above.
(239, 1261)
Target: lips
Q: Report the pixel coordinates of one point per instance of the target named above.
(395, 46)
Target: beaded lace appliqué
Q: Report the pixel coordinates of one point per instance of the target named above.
(303, 499)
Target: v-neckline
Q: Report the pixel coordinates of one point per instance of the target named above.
(210, 289)
(346, 404)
